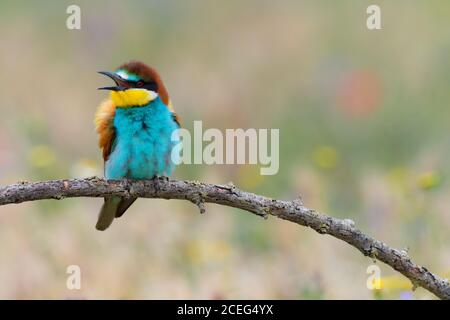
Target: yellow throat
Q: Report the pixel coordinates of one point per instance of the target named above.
(132, 97)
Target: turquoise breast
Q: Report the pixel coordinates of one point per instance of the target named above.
(143, 143)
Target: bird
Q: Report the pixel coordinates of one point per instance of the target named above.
(136, 126)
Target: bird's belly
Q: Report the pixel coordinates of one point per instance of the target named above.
(142, 155)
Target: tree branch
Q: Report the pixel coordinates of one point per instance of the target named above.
(200, 193)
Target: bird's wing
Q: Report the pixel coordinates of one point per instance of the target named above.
(175, 116)
(104, 125)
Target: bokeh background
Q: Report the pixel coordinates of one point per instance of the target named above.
(363, 118)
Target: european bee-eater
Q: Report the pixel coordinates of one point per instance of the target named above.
(135, 127)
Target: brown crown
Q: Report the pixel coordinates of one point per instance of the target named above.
(148, 74)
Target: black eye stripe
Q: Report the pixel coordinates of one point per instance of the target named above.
(151, 86)
(144, 84)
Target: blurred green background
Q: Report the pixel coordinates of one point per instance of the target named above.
(363, 118)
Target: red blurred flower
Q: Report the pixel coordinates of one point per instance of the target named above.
(359, 93)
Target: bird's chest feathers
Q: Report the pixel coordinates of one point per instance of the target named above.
(143, 142)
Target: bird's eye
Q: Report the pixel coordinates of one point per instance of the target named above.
(140, 84)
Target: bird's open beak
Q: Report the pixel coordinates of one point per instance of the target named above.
(121, 84)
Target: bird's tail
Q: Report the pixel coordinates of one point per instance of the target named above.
(107, 213)
(113, 207)
(124, 204)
